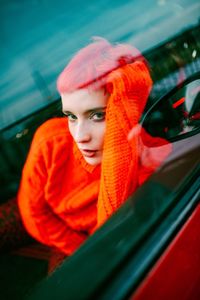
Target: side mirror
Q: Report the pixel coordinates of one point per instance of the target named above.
(177, 114)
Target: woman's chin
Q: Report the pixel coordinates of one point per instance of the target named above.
(93, 161)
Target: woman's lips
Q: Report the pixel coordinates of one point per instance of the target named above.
(88, 153)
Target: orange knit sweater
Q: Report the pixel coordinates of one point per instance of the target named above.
(62, 198)
(58, 191)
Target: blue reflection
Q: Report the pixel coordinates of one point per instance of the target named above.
(39, 37)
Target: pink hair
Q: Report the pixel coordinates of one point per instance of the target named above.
(93, 63)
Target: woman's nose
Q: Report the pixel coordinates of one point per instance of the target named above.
(82, 134)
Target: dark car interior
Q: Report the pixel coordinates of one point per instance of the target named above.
(178, 113)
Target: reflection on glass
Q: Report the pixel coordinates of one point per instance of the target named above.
(177, 115)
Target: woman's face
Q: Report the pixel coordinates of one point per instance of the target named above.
(85, 110)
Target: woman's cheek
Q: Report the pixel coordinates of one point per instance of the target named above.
(101, 134)
(71, 129)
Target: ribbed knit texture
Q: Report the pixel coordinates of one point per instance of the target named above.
(119, 177)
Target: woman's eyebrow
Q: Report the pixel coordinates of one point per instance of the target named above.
(95, 109)
(65, 112)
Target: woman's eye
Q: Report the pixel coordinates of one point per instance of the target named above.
(98, 116)
(71, 117)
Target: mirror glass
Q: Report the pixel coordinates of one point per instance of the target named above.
(176, 115)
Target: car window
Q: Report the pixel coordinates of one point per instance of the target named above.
(37, 40)
(168, 34)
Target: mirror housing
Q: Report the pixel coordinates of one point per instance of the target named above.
(177, 114)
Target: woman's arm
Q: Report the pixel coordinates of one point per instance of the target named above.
(39, 219)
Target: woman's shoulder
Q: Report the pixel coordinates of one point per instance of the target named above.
(53, 125)
(52, 130)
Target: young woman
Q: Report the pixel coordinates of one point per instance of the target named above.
(81, 168)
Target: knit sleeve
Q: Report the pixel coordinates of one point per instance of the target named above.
(38, 217)
(153, 152)
(131, 85)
